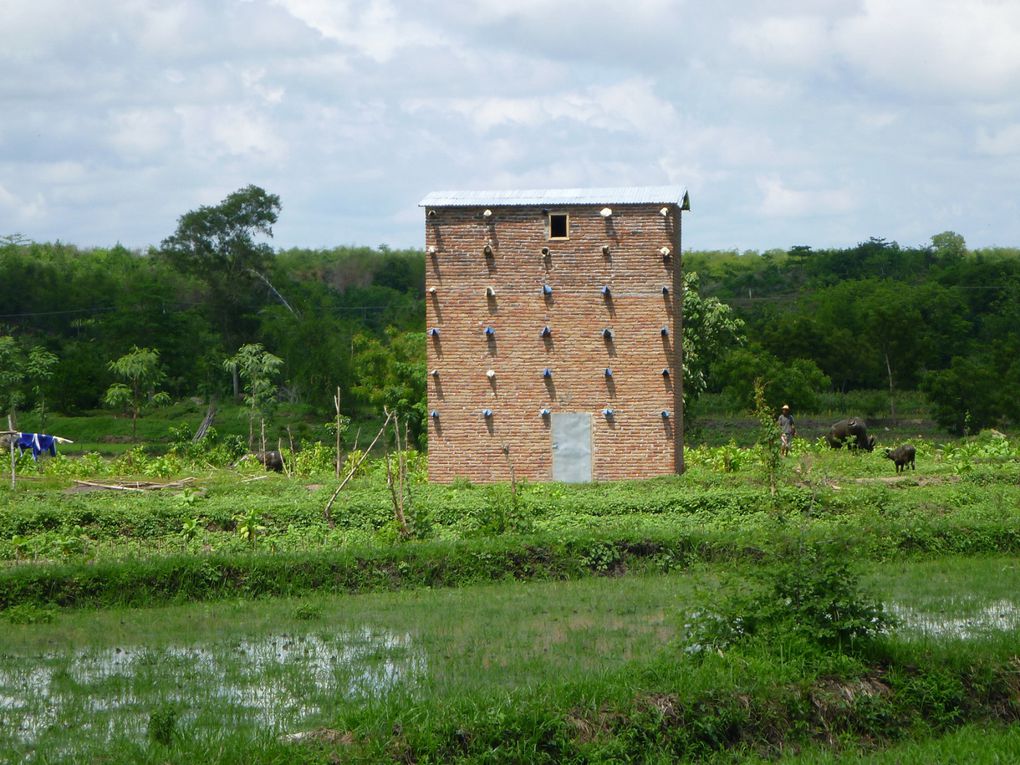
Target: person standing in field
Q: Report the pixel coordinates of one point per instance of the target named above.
(787, 429)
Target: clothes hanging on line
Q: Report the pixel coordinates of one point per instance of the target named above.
(38, 443)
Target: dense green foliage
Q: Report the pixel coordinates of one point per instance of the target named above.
(90, 307)
(940, 318)
(805, 591)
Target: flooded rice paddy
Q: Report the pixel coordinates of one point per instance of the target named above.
(976, 621)
(278, 683)
(79, 700)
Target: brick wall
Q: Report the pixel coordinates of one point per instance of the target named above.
(637, 441)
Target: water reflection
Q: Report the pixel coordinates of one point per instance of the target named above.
(276, 682)
(1000, 616)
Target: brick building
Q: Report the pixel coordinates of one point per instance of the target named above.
(554, 328)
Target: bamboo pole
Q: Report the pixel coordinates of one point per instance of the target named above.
(396, 483)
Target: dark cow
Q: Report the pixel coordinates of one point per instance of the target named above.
(271, 460)
(902, 456)
(853, 432)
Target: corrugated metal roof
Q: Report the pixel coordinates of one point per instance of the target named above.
(550, 197)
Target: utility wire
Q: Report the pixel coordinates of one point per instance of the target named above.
(139, 309)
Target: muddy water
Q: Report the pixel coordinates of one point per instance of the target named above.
(279, 683)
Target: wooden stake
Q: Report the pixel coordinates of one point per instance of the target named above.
(336, 403)
(290, 439)
(279, 450)
(396, 484)
(10, 427)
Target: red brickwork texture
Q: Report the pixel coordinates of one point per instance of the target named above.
(637, 442)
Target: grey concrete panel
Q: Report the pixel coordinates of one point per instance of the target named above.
(571, 447)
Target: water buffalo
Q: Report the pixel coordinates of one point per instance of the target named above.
(902, 456)
(853, 432)
(271, 460)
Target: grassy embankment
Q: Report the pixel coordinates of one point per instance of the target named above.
(261, 535)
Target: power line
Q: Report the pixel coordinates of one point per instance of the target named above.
(165, 306)
(93, 309)
(809, 295)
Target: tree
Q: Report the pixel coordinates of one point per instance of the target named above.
(892, 325)
(142, 374)
(256, 368)
(949, 246)
(710, 331)
(39, 368)
(218, 245)
(797, 382)
(391, 376)
(968, 396)
(12, 375)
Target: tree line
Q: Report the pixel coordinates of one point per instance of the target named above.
(347, 317)
(939, 318)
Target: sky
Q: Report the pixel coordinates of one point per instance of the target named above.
(790, 122)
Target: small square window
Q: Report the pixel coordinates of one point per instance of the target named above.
(559, 226)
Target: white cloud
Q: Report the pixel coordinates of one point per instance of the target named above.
(630, 106)
(142, 132)
(116, 117)
(373, 27)
(62, 172)
(758, 89)
(255, 81)
(780, 200)
(795, 41)
(936, 47)
(32, 30)
(19, 209)
(229, 131)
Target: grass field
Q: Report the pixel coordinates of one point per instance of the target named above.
(208, 621)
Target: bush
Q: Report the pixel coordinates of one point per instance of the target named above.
(804, 592)
(314, 459)
(799, 382)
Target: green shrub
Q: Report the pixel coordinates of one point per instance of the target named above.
(314, 459)
(308, 612)
(29, 613)
(804, 592)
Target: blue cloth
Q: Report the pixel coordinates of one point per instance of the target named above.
(38, 443)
